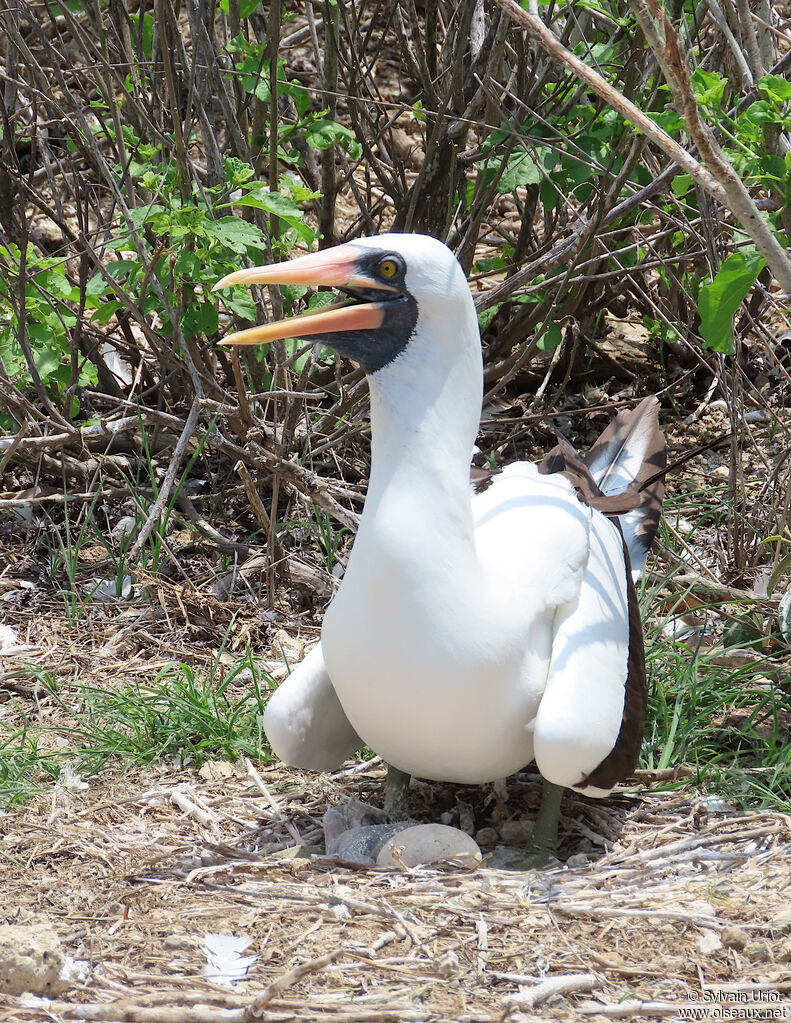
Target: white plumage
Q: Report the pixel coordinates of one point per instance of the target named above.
(471, 632)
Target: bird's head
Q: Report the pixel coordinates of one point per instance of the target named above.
(395, 286)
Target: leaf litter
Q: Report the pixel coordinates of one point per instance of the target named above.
(145, 875)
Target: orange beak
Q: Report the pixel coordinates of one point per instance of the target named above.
(336, 268)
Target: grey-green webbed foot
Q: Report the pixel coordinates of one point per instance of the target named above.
(541, 850)
(397, 794)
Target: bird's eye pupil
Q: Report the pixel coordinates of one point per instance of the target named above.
(387, 268)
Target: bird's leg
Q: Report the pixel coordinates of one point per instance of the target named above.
(397, 794)
(541, 851)
(544, 837)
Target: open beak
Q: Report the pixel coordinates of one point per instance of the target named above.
(337, 268)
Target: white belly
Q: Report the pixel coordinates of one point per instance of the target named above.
(456, 715)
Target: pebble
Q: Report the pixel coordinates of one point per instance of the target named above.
(735, 937)
(217, 770)
(287, 647)
(516, 832)
(429, 843)
(487, 836)
(449, 965)
(759, 951)
(31, 960)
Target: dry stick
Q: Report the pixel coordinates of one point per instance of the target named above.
(14, 442)
(528, 998)
(264, 790)
(751, 39)
(167, 482)
(134, 1012)
(715, 174)
(257, 1008)
(746, 75)
(330, 83)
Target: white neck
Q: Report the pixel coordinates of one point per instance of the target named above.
(425, 412)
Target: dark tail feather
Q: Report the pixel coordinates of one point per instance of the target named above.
(621, 475)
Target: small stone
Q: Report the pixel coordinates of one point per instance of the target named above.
(709, 942)
(722, 472)
(735, 937)
(297, 852)
(31, 960)
(288, 648)
(759, 951)
(781, 921)
(336, 914)
(516, 832)
(179, 943)
(216, 770)
(449, 966)
(577, 861)
(124, 526)
(487, 836)
(701, 908)
(429, 843)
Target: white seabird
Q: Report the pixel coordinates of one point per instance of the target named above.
(473, 632)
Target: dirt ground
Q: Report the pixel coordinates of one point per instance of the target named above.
(670, 901)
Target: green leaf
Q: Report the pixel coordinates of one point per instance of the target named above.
(763, 112)
(148, 33)
(106, 312)
(320, 300)
(240, 301)
(520, 170)
(237, 171)
(281, 205)
(721, 297)
(486, 317)
(550, 339)
(709, 88)
(681, 184)
(298, 191)
(246, 7)
(235, 233)
(777, 88)
(188, 265)
(46, 353)
(200, 318)
(322, 134)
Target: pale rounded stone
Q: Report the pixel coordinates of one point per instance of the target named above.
(429, 843)
(31, 960)
(735, 937)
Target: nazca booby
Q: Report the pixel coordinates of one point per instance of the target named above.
(472, 632)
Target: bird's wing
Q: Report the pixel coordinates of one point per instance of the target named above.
(630, 453)
(622, 475)
(532, 537)
(304, 721)
(589, 725)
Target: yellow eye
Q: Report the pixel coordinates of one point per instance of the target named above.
(388, 269)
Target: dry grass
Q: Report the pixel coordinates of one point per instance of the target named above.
(134, 871)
